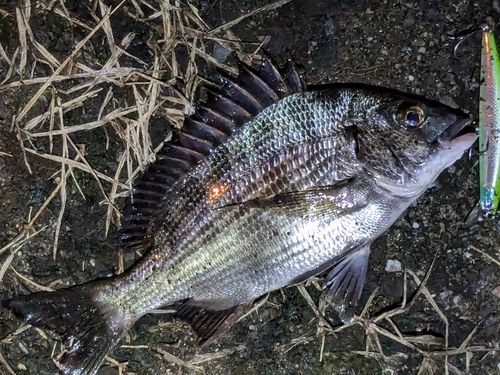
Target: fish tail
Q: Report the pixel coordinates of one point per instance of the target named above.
(74, 313)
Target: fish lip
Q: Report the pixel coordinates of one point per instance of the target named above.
(455, 129)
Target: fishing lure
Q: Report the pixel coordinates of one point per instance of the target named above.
(488, 127)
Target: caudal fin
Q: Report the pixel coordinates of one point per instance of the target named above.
(73, 312)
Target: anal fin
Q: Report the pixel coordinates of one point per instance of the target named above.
(344, 284)
(209, 324)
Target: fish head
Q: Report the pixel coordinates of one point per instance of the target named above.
(405, 144)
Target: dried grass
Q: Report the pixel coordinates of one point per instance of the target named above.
(153, 95)
(6, 365)
(418, 344)
(77, 81)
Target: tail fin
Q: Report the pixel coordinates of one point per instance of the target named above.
(73, 312)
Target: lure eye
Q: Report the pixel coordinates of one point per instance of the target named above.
(413, 116)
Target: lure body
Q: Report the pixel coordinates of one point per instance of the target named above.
(489, 125)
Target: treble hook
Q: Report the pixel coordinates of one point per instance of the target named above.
(461, 37)
(467, 33)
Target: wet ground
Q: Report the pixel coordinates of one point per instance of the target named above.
(402, 45)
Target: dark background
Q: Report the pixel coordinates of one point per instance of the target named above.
(403, 45)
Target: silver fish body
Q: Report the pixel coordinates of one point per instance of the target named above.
(309, 182)
(218, 238)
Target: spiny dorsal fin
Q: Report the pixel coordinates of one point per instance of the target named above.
(238, 101)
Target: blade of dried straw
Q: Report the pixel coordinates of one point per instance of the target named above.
(265, 8)
(75, 51)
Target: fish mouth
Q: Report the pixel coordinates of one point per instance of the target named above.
(459, 128)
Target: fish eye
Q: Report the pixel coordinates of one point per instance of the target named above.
(412, 116)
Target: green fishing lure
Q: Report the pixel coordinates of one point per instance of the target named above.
(489, 125)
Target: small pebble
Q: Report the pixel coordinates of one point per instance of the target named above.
(421, 50)
(415, 225)
(495, 4)
(22, 367)
(445, 294)
(411, 78)
(220, 53)
(393, 265)
(329, 26)
(496, 292)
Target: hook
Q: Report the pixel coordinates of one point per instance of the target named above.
(465, 34)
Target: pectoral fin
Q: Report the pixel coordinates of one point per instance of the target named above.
(328, 201)
(344, 283)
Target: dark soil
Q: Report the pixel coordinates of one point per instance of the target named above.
(402, 45)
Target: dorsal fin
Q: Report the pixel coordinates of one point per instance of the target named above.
(238, 101)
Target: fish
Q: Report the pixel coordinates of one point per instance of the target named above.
(268, 184)
(489, 129)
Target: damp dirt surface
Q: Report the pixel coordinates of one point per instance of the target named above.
(402, 45)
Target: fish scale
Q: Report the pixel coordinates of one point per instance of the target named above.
(216, 169)
(313, 242)
(292, 169)
(266, 186)
(219, 163)
(186, 266)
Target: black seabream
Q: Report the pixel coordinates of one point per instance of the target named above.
(266, 185)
